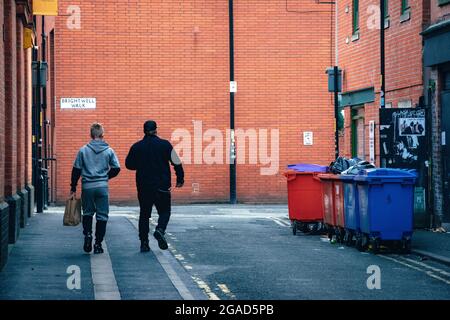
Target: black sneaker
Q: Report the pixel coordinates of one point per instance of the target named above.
(144, 246)
(98, 248)
(162, 243)
(87, 243)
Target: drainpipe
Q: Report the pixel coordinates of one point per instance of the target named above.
(233, 196)
(382, 54)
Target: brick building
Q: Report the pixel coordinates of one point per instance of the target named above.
(16, 115)
(436, 57)
(169, 61)
(359, 57)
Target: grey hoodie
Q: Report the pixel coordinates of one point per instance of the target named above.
(95, 159)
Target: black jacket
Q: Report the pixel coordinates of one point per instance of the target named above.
(150, 157)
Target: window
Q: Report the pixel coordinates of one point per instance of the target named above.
(386, 14)
(405, 6)
(355, 17)
(358, 132)
(405, 11)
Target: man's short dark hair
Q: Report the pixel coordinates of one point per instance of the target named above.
(150, 127)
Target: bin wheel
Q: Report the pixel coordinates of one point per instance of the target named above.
(406, 246)
(358, 243)
(294, 227)
(365, 242)
(375, 245)
(348, 238)
(304, 227)
(338, 234)
(343, 235)
(313, 227)
(362, 242)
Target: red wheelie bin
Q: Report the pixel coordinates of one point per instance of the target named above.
(333, 203)
(305, 201)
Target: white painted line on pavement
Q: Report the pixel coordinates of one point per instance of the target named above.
(202, 285)
(429, 273)
(105, 285)
(225, 290)
(163, 259)
(442, 272)
(286, 223)
(278, 222)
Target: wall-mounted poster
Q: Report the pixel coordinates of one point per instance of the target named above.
(403, 138)
(411, 127)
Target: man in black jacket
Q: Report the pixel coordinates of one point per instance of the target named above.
(150, 157)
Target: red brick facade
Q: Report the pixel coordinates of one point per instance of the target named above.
(434, 75)
(169, 61)
(15, 122)
(11, 98)
(360, 59)
(2, 106)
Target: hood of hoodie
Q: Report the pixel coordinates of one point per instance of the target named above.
(98, 146)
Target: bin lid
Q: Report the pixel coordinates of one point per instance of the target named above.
(386, 174)
(329, 176)
(347, 178)
(306, 167)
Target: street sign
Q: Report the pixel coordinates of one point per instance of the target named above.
(78, 103)
(233, 86)
(308, 138)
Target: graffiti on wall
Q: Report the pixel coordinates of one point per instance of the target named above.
(403, 138)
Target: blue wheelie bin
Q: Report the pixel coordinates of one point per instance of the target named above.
(386, 207)
(351, 208)
(351, 201)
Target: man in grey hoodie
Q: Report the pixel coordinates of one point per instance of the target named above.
(96, 163)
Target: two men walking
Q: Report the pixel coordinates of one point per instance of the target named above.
(96, 163)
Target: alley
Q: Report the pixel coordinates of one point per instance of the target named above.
(216, 252)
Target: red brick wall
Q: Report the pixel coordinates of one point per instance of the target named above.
(11, 98)
(169, 61)
(438, 12)
(2, 106)
(281, 58)
(360, 59)
(28, 117)
(20, 106)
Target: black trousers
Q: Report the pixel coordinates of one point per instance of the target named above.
(147, 198)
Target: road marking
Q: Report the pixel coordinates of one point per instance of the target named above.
(442, 272)
(429, 273)
(202, 285)
(179, 257)
(105, 285)
(279, 222)
(225, 290)
(163, 259)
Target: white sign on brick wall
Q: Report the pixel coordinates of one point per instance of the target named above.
(78, 103)
(372, 141)
(308, 138)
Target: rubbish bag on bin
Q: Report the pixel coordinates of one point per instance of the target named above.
(342, 164)
(354, 170)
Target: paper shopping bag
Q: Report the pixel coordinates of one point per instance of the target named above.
(72, 213)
